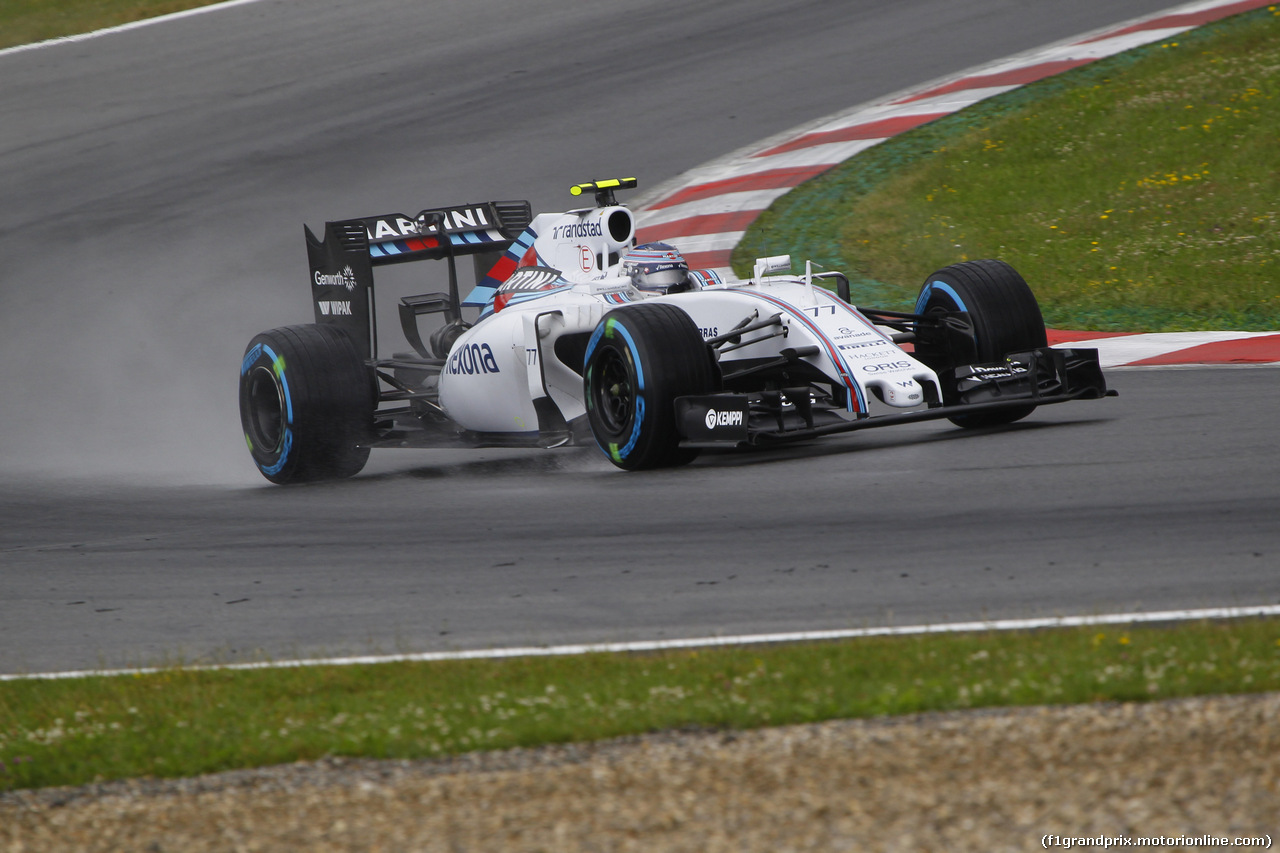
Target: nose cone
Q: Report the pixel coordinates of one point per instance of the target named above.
(901, 393)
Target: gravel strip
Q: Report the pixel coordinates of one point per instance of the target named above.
(971, 781)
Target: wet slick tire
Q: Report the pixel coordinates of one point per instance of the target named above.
(638, 360)
(306, 403)
(1006, 318)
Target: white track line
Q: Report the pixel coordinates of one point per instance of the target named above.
(146, 22)
(703, 642)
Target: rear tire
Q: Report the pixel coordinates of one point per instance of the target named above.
(639, 359)
(1006, 318)
(306, 403)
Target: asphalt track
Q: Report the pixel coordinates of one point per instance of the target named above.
(155, 185)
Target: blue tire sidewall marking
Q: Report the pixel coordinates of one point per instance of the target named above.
(635, 356)
(592, 343)
(637, 420)
(945, 288)
(638, 417)
(249, 358)
(286, 443)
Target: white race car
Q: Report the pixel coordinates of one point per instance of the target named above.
(581, 336)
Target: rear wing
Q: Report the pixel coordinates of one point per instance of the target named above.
(342, 261)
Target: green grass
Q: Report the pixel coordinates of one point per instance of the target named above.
(1139, 193)
(28, 21)
(183, 722)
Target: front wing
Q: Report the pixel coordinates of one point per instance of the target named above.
(1039, 377)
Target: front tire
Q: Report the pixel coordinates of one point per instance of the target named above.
(1005, 315)
(639, 359)
(306, 404)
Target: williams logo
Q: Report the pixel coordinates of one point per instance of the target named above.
(723, 419)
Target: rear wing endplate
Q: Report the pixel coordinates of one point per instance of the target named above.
(342, 261)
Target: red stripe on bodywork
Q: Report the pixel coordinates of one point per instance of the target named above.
(419, 244)
(502, 270)
(856, 403)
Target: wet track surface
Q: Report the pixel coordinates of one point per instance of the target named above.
(156, 184)
(1135, 502)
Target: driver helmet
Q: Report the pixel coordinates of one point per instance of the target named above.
(656, 268)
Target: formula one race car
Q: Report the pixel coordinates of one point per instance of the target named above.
(582, 336)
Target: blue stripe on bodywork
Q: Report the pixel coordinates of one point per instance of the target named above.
(833, 352)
